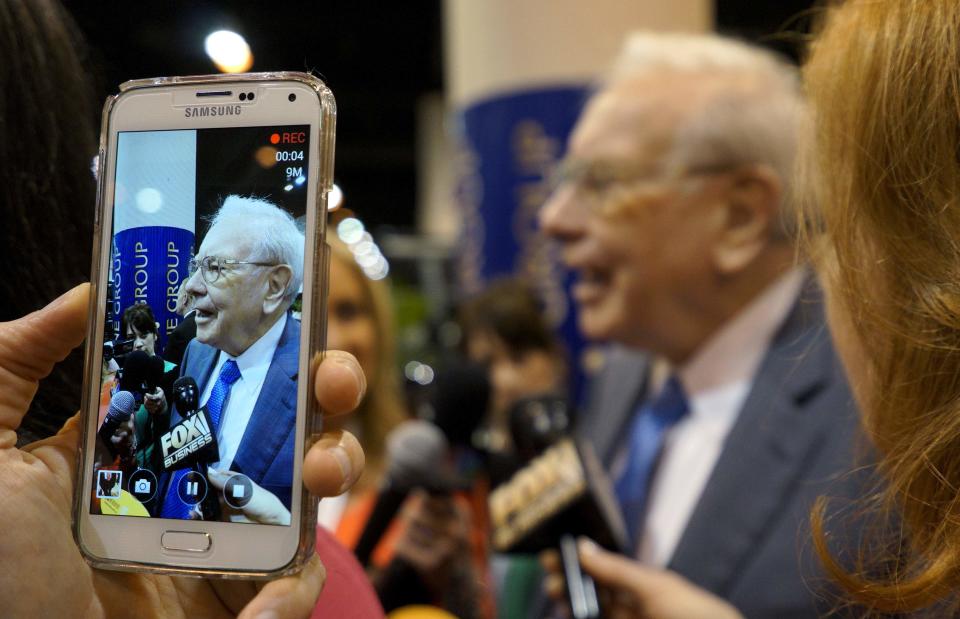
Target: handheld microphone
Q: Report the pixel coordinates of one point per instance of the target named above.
(538, 422)
(562, 493)
(186, 395)
(141, 374)
(193, 439)
(459, 402)
(122, 406)
(417, 458)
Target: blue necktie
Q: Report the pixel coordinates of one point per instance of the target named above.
(649, 427)
(173, 507)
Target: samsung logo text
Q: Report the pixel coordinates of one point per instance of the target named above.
(212, 110)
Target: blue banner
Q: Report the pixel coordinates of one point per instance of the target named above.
(509, 145)
(148, 266)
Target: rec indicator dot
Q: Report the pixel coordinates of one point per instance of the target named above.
(275, 138)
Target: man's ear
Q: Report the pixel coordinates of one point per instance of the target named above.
(750, 217)
(277, 280)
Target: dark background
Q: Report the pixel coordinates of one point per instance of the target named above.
(219, 176)
(378, 58)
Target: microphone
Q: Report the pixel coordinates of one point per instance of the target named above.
(538, 422)
(186, 395)
(417, 458)
(459, 401)
(563, 492)
(122, 405)
(141, 374)
(192, 440)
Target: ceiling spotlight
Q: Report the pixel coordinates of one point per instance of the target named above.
(229, 51)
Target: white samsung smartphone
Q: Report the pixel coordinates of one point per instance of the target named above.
(209, 282)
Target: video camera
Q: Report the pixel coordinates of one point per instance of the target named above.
(117, 350)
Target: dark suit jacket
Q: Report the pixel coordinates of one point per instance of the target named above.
(796, 437)
(265, 454)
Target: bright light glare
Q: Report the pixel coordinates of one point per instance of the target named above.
(229, 51)
(350, 230)
(335, 199)
(419, 372)
(149, 200)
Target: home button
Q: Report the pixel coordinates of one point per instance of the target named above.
(186, 541)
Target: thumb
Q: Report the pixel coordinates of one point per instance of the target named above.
(615, 571)
(217, 477)
(32, 345)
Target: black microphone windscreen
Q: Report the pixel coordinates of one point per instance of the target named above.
(460, 400)
(538, 422)
(122, 405)
(135, 370)
(186, 394)
(154, 374)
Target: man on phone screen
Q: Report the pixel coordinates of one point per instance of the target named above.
(244, 278)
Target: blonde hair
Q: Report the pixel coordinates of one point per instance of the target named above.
(382, 408)
(883, 224)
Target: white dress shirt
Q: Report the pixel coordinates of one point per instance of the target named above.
(253, 365)
(716, 381)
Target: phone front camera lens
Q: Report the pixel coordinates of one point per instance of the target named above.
(243, 96)
(292, 97)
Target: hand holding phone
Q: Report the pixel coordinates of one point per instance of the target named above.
(42, 572)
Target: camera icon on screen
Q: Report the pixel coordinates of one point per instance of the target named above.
(143, 485)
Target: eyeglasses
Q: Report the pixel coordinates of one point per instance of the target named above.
(212, 267)
(594, 180)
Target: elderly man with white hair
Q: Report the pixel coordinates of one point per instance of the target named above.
(722, 412)
(244, 359)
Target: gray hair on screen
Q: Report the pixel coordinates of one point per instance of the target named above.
(753, 115)
(273, 233)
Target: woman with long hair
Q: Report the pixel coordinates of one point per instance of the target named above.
(883, 226)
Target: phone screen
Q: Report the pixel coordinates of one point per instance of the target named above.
(199, 368)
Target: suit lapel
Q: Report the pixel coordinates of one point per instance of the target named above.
(763, 455)
(614, 400)
(274, 415)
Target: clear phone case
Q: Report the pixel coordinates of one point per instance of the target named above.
(314, 418)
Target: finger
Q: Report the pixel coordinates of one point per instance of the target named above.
(554, 585)
(218, 478)
(289, 597)
(339, 383)
(30, 346)
(333, 464)
(550, 561)
(617, 571)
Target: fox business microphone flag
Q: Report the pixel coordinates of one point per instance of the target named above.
(153, 226)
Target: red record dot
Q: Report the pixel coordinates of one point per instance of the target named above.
(275, 138)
